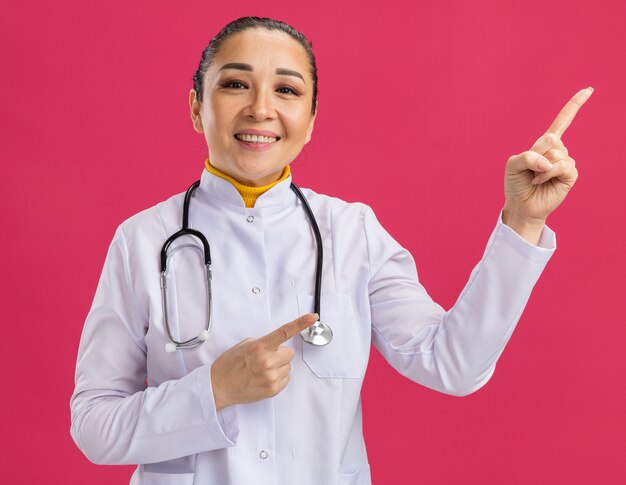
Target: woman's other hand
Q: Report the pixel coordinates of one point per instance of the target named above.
(538, 180)
(256, 369)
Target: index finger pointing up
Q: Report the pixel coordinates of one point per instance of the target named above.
(566, 115)
(275, 339)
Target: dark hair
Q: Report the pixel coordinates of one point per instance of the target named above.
(240, 25)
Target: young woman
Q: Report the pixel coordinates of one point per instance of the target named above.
(198, 373)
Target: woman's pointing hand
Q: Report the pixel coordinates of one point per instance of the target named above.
(538, 180)
(256, 369)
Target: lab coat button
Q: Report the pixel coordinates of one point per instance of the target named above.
(263, 455)
(256, 290)
(250, 219)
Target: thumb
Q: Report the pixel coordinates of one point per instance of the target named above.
(528, 160)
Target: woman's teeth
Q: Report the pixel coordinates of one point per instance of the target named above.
(255, 138)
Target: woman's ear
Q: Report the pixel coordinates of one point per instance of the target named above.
(309, 130)
(194, 108)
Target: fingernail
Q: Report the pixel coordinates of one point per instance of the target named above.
(544, 165)
(590, 89)
(317, 317)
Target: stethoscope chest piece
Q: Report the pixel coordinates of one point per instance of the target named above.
(317, 334)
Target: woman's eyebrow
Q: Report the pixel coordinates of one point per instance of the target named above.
(289, 72)
(237, 65)
(247, 67)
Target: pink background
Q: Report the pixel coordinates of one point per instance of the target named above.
(421, 104)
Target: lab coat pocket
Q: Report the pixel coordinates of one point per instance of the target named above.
(150, 478)
(178, 471)
(361, 476)
(347, 353)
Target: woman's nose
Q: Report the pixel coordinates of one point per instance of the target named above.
(261, 106)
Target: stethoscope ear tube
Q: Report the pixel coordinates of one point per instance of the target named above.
(185, 232)
(173, 344)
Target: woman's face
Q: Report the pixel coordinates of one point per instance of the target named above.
(256, 110)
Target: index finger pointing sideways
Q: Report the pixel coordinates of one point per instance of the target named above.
(566, 115)
(275, 339)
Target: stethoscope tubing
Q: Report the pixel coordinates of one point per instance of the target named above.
(318, 241)
(318, 334)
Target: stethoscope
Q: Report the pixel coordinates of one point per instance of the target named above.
(317, 334)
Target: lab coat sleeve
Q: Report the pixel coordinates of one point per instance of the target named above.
(455, 351)
(116, 419)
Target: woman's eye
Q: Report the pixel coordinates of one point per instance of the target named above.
(287, 90)
(234, 85)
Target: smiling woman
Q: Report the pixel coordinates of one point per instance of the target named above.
(214, 388)
(255, 99)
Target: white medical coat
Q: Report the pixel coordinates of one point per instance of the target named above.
(135, 403)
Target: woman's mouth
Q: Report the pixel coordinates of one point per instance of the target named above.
(256, 142)
(248, 138)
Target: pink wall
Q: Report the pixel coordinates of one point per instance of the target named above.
(421, 104)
